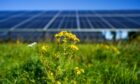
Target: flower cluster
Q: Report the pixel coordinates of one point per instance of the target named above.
(65, 36)
(18, 42)
(110, 48)
(78, 70)
(44, 48)
(70, 40)
(74, 47)
(58, 82)
(116, 50)
(104, 46)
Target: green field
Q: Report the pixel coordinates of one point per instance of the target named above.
(53, 63)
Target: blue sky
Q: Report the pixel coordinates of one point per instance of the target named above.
(68, 4)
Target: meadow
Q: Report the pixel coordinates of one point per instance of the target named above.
(67, 61)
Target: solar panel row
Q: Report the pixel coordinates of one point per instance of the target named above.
(69, 19)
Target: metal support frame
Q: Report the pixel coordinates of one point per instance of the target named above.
(51, 21)
(72, 30)
(77, 20)
(44, 32)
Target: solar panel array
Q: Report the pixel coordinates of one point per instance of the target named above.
(51, 20)
(82, 23)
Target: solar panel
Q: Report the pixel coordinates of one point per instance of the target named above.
(84, 13)
(97, 23)
(10, 23)
(84, 23)
(8, 15)
(70, 19)
(116, 22)
(32, 24)
(56, 23)
(137, 19)
(69, 23)
(4, 13)
(14, 20)
(64, 23)
(35, 23)
(117, 11)
(68, 13)
(121, 22)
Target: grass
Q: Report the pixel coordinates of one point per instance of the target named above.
(65, 62)
(91, 64)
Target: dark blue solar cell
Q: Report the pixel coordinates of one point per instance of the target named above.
(117, 12)
(7, 19)
(12, 22)
(38, 22)
(128, 12)
(54, 25)
(98, 22)
(68, 25)
(64, 23)
(6, 12)
(100, 25)
(137, 19)
(131, 24)
(104, 12)
(116, 22)
(118, 25)
(68, 13)
(84, 23)
(50, 13)
(122, 22)
(81, 13)
(94, 19)
(3, 17)
(69, 22)
(8, 15)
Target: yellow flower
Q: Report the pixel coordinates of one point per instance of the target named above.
(74, 82)
(61, 34)
(115, 50)
(82, 70)
(51, 73)
(18, 42)
(74, 47)
(104, 46)
(57, 35)
(44, 48)
(67, 36)
(78, 70)
(58, 82)
(58, 40)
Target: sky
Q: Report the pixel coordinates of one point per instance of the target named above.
(69, 4)
(120, 35)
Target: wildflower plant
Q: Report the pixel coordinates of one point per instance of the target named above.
(67, 48)
(83, 64)
(78, 70)
(66, 37)
(61, 58)
(67, 40)
(67, 43)
(44, 48)
(104, 51)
